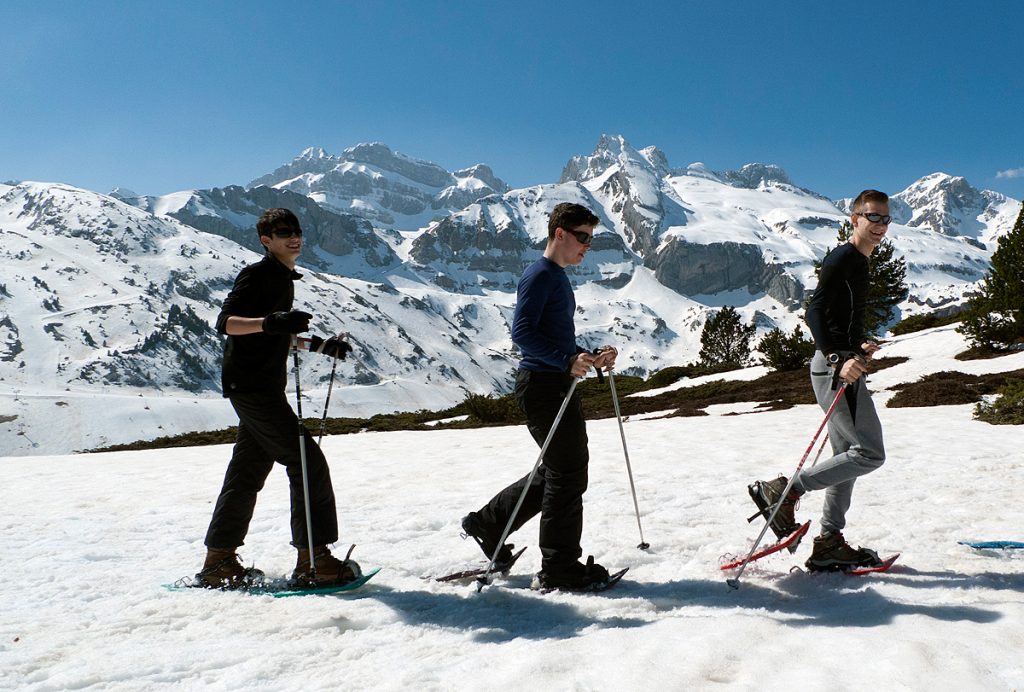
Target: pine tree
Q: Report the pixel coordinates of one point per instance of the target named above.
(887, 286)
(725, 340)
(780, 352)
(994, 319)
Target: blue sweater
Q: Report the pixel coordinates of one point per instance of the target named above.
(542, 326)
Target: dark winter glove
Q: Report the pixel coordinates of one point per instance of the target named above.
(332, 348)
(292, 322)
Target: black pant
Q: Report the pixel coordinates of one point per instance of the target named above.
(557, 490)
(268, 431)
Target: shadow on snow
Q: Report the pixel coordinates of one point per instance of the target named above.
(509, 610)
(500, 613)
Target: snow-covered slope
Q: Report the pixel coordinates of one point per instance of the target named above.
(91, 539)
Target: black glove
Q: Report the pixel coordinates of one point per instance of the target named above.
(292, 322)
(332, 348)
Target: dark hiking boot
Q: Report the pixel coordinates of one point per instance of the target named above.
(766, 493)
(833, 554)
(326, 569)
(223, 570)
(574, 577)
(474, 528)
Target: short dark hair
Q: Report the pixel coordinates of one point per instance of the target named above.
(276, 218)
(868, 196)
(569, 216)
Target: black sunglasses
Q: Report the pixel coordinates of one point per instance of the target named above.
(287, 232)
(582, 237)
(876, 218)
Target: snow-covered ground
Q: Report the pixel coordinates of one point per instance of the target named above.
(86, 542)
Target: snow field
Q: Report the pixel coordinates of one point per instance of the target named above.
(88, 540)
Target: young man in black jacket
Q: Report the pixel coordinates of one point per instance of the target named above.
(259, 322)
(835, 315)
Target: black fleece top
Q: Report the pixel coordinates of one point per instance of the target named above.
(835, 313)
(257, 362)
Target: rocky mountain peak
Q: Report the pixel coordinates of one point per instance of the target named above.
(381, 156)
(755, 175)
(123, 193)
(612, 150)
(945, 203)
(942, 188)
(313, 154)
(483, 173)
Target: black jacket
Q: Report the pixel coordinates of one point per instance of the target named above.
(257, 362)
(835, 313)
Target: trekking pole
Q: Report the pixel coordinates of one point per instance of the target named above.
(327, 402)
(302, 454)
(485, 578)
(735, 581)
(644, 545)
(820, 450)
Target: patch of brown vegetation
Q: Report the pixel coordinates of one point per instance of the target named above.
(949, 388)
(984, 353)
(883, 363)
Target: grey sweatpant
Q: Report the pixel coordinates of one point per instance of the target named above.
(856, 437)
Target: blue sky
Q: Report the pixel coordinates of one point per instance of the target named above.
(159, 97)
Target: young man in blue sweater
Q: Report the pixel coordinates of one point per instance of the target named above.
(544, 331)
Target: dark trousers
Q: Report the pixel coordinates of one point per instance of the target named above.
(557, 490)
(268, 431)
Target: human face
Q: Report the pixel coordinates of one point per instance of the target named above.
(867, 235)
(283, 245)
(571, 245)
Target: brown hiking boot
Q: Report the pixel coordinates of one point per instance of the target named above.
(330, 571)
(223, 570)
(766, 494)
(833, 554)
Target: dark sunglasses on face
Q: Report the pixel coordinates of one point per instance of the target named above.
(876, 218)
(582, 237)
(287, 232)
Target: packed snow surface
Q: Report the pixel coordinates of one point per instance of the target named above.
(88, 540)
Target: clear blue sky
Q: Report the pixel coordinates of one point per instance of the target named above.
(165, 96)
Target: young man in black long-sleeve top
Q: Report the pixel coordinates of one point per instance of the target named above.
(544, 331)
(835, 316)
(259, 322)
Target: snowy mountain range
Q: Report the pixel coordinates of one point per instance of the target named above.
(107, 301)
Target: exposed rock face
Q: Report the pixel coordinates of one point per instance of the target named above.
(472, 242)
(693, 269)
(755, 175)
